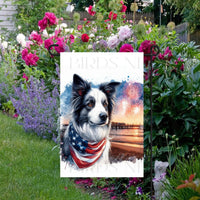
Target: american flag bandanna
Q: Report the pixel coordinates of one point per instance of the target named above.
(84, 153)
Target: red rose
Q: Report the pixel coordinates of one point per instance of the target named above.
(146, 48)
(112, 15)
(123, 8)
(107, 20)
(85, 37)
(126, 48)
(92, 13)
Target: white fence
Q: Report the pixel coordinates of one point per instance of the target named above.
(6, 12)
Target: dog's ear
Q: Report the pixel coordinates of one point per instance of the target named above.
(109, 88)
(80, 86)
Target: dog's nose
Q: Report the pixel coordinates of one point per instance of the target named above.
(103, 116)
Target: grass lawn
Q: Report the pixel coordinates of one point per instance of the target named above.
(29, 168)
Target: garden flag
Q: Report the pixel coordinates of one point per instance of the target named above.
(101, 115)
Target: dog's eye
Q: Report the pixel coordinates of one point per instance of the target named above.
(105, 105)
(91, 104)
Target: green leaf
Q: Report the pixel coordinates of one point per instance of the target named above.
(185, 147)
(197, 68)
(194, 102)
(187, 125)
(165, 94)
(169, 84)
(158, 119)
(194, 198)
(172, 159)
(165, 149)
(191, 120)
(181, 152)
(160, 80)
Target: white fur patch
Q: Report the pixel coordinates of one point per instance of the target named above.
(99, 97)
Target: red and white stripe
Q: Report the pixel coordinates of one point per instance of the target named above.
(92, 153)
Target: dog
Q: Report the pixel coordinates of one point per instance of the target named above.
(86, 140)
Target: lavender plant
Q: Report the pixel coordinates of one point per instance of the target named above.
(38, 108)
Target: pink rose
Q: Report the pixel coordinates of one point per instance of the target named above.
(71, 39)
(36, 37)
(61, 45)
(48, 20)
(24, 53)
(51, 18)
(25, 77)
(113, 41)
(57, 33)
(28, 44)
(48, 43)
(92, 13)
(124, 33)
(179, 62)
(31, 59)
(126, 48)
(15, 115)
(79, 27)
(167, 55)
(149, 30)
(43, 23)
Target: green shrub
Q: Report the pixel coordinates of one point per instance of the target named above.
(183, 170)
(8, 72)
(176, 106)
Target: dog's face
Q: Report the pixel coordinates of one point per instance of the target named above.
(95, 110)
(91, 105)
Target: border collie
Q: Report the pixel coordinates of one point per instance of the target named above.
(86, 140)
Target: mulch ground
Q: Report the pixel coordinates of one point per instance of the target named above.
(97, 192)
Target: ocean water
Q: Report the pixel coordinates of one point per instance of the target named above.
(130, 140)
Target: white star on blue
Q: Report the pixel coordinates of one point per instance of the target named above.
(76, 140)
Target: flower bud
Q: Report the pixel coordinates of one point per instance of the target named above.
(76, 17)
(173, 136)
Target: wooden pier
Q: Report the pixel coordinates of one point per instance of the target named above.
(116, 125)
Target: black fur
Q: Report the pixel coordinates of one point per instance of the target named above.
(80, 88)
(109, 89)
